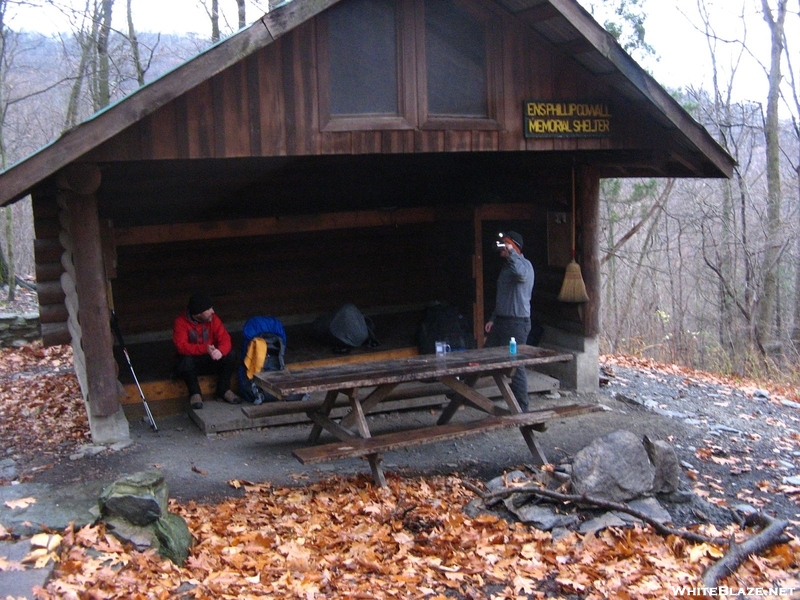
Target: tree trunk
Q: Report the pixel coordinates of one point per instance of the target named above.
(137, 61)
(242, 17)
(103, 98)
(214, 21)
(12, 273)
(769, 266)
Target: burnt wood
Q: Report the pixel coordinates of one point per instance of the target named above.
(355, 447)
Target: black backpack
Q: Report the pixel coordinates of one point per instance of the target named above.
(345, 328)
(443, 323)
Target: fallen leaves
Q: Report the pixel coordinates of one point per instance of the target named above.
(42, 412)
(20, 502)
(345, 538)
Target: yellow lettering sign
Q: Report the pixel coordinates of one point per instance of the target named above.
(553, 119)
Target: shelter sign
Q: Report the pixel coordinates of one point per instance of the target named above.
(548, 118)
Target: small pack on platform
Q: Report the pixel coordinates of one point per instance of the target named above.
(345, 328)
(263, 348)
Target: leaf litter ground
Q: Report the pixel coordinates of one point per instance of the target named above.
(340, 537)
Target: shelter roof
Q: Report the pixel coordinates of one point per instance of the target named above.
(563, 23)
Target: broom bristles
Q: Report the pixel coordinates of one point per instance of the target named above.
(573, 289)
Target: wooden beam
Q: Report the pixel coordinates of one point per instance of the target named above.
(478, 307)
(159, 234)
(588, 201)
(96, 340)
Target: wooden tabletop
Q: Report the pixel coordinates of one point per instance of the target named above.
(399, 370)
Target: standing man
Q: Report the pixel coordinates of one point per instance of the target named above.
(204, 347)
(512, 310)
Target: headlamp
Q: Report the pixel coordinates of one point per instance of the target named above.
(500, 243)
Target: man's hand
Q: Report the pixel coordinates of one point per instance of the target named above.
(213, 352)
(488, 327)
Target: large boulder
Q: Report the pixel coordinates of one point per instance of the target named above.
(140, 498)
(135, 509)
(666, 464)
(614, 467)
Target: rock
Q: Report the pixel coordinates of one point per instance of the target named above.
(500, 483)
(134, 509)
(605, 520)
(652, 509)
(666, 465)
(790, 404)
(174, 537)
(761, 394)
(614, 467)
(542, 517)
(794, 480)
(140, 499)
(680, 497)
(8, 469)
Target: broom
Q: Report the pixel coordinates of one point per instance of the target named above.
(573, 288)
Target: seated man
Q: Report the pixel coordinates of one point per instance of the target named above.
(204, 347)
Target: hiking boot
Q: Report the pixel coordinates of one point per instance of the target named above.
(231, 398)
(196, 401)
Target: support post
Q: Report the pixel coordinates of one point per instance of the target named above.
(106, 418)
(588, 199)
(477, 275)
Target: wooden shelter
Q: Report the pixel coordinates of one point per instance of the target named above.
(363, 151)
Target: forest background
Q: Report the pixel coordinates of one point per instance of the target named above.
(695, 271)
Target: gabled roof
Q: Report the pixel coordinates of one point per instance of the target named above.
(564, 23)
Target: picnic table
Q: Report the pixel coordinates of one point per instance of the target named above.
(458, 371)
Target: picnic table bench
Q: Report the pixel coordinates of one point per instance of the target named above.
(458, 371)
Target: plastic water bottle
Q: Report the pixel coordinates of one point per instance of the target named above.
(512, 346)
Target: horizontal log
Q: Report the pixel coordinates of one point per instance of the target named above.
(50, 292)
(47, 250)
(53, 313)
(158, 234)
(45, 207)
(47, 228)
(48, 271)
(55, 334)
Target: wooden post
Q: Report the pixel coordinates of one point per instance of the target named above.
(587, 184)
(90, 282)
(477, 275)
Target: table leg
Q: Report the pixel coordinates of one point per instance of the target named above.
(502, 383)
(539, 457)
(357, 413)
(375, 397)
(325, 411)
(456, 400)
(475, 398)
(375, 461)
(359, 416)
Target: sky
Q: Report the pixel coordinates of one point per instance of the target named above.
(672, 29)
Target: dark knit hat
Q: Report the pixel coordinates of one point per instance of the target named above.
(514, 237)
(198, 303)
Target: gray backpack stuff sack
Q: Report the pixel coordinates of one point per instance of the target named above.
(345, 328)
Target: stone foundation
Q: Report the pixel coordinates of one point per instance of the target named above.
(19, 329)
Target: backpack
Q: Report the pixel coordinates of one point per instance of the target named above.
(263, 348)
(442, 323)
(345, 328)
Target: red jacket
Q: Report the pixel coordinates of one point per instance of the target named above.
(192, 338)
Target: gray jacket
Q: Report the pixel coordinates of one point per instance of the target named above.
(514, 288)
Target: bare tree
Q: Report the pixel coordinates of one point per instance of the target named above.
(242, 16)
(769, 265)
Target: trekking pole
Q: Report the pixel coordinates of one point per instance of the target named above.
(118, 334)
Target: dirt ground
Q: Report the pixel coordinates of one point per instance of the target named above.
(735, 445)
